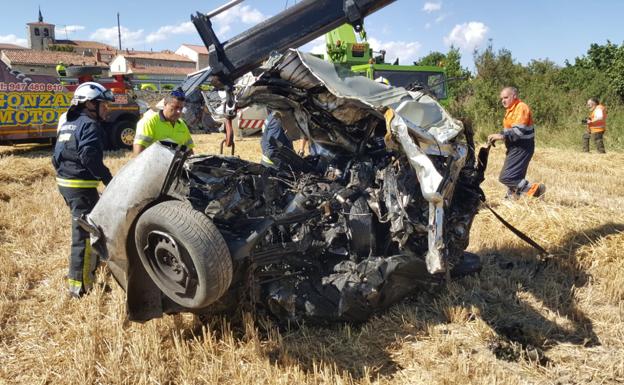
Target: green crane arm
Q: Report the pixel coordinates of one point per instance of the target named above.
(343, 47)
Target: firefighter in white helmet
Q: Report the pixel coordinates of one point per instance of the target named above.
(78, 160)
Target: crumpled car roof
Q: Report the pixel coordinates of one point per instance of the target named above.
(421, 112)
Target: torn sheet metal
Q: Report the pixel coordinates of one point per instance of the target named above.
(135, 186)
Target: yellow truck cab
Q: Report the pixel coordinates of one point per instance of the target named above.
(31, 106)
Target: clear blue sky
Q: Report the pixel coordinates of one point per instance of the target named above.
(530, 29)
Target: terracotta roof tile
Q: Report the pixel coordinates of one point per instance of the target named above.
(11, 46)
(85, 44)
(197, 48)
(29, 56)
(161, 70)
(155, 56)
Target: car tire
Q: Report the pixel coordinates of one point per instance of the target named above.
(122, 134)
(184, 254)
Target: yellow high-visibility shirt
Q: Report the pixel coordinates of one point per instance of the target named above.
(155, 128)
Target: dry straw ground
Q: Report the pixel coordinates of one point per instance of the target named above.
(523, 320)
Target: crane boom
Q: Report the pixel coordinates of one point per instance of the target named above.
(292, 27)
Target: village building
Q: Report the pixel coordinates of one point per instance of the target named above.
(197, 53)
(40, 34)
(147, 69)
(44, 62)
(157, 69)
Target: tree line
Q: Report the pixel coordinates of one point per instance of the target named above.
(556, 94)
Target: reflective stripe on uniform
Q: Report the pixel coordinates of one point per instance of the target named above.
(75, 287)
(266, 159)
(77, 183)
(142, 139)
(523, 131)
(88, 266)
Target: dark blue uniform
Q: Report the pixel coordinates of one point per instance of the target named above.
(78, 160)
(272, 129)
(513, 173)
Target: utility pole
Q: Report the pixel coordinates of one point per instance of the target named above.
(118, 31)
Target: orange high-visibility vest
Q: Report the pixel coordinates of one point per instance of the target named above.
(519, 120)
(518, 114)
(598, 125)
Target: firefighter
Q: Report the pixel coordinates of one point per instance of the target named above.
(273, 129)
(596, 125)
(519, 136)
(165, 125)
(78, 160)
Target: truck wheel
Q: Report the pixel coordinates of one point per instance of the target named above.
(184, 254)
(122, 134)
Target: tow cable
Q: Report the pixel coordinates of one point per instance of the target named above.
(517, 232)
(482, 161)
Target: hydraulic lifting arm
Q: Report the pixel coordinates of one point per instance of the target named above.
(292, 27)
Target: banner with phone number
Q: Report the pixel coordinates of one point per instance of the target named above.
(24, 108)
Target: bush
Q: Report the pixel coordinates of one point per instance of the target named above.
(557, 95)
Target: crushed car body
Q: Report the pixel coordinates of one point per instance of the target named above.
(382, 210)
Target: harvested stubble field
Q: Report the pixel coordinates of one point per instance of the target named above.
(523, 320)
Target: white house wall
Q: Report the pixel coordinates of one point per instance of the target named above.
(119, 65)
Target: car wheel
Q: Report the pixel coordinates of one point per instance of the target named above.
(122, 134)
(184, 254)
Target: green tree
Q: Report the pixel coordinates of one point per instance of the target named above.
(495, 70)
(434, 58)
(458, 76)
(600, 73)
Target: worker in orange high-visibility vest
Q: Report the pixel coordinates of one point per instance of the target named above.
(596, 125)
(519, 136)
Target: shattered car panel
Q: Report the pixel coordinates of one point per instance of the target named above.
(384, 208)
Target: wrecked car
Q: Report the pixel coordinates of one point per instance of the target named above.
(382, 210)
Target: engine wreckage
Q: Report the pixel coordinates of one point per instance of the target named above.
(384, 210)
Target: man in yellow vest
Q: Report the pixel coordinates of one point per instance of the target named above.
(60, 69)
(596, 125)
(165, 125)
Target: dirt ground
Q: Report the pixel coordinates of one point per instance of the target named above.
(523, 320)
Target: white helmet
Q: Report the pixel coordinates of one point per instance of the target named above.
(382, 80)
(91, 91)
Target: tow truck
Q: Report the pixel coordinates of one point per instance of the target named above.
(31, 105)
